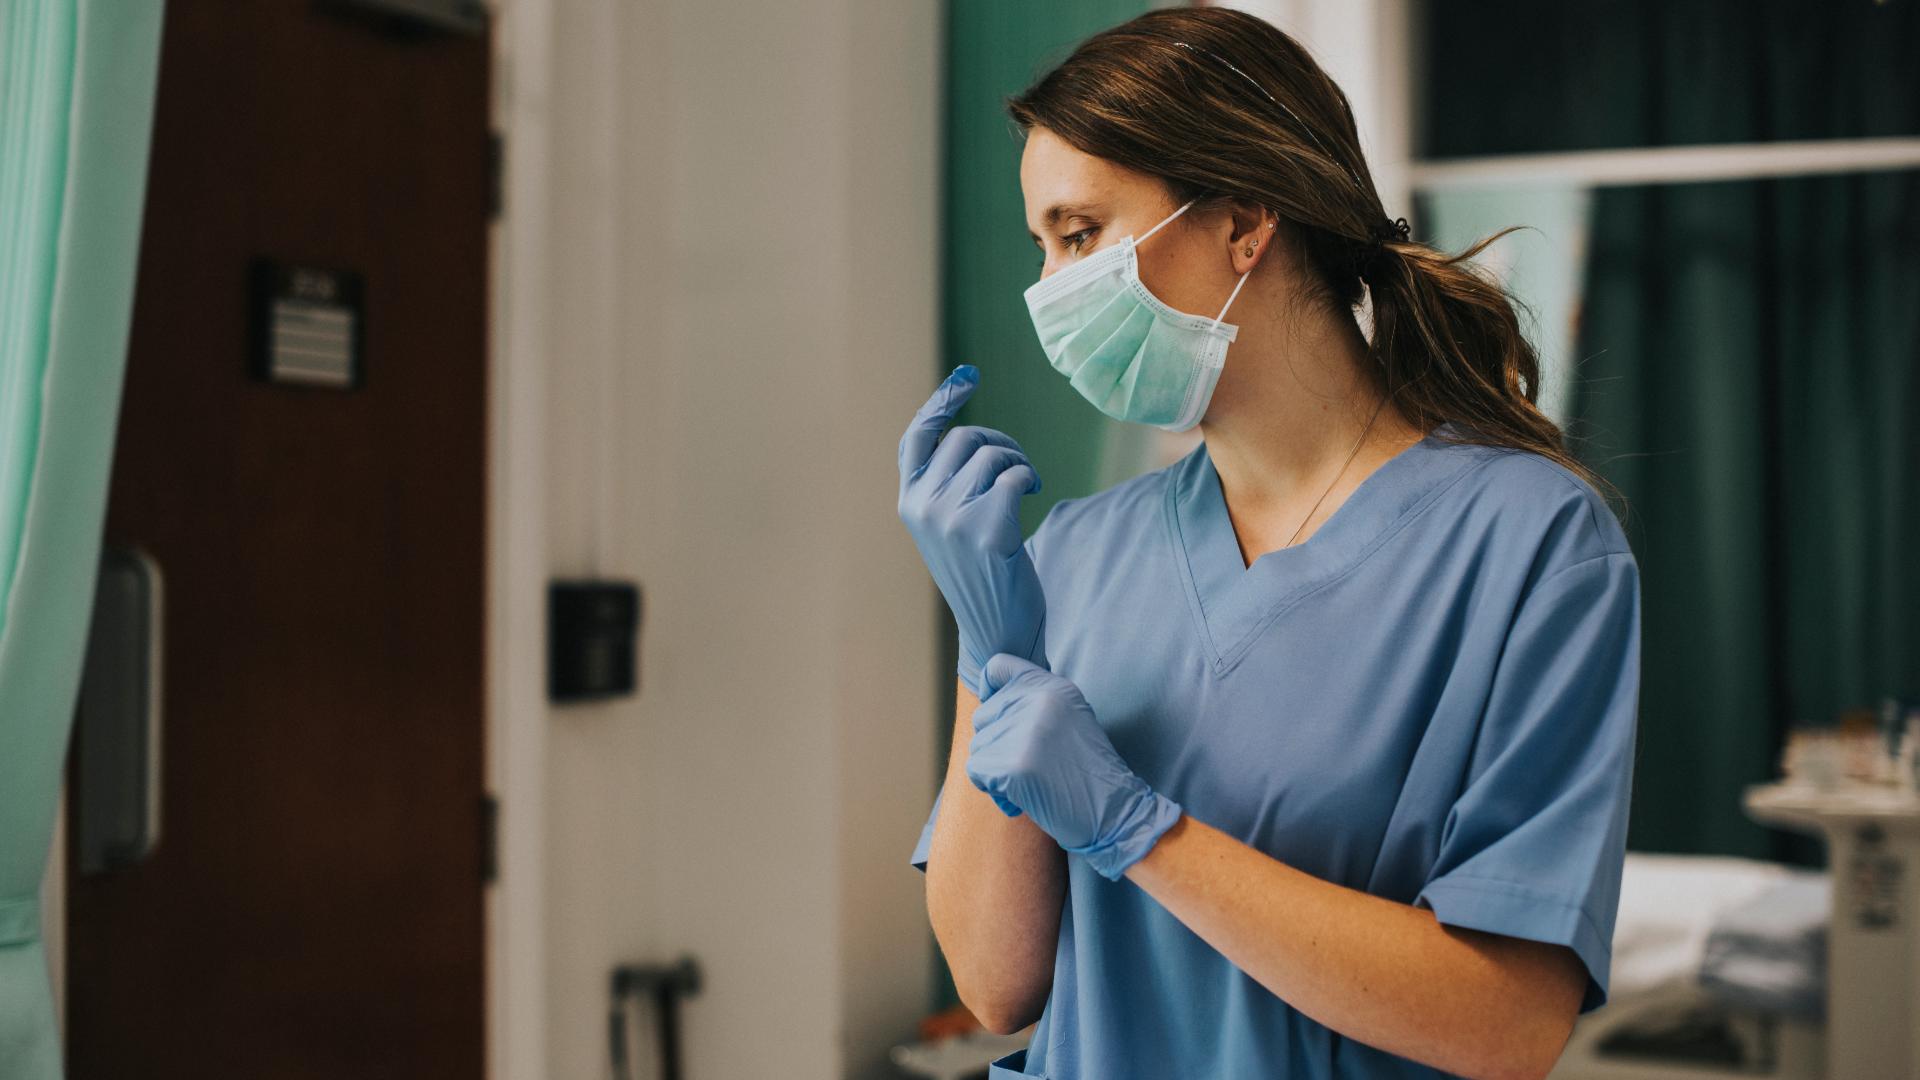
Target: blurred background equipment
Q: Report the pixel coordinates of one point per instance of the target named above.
(657, 989)
(1730, 966)
(1695, 995)
(1871, 918)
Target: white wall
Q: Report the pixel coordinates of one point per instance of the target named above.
(738, 291)
(1366, 46)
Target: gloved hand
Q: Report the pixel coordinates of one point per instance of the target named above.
(960, 501)
(1038, 748)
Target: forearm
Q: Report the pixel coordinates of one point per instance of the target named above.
(995, 886)
(1384, 973)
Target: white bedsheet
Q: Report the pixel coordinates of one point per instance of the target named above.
(1668, 905)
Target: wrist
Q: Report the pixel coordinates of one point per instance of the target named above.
(972, 662)
(1146, 821)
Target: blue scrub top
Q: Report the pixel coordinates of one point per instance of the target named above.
(1432, 699)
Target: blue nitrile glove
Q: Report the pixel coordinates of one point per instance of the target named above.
(1037, 747)
(960, 500)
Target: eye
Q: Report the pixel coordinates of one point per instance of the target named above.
(1078, 240)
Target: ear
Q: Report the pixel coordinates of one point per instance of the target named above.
(1252, 235)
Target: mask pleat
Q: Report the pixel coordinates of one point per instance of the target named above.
(1111, 370)
(1095, 327)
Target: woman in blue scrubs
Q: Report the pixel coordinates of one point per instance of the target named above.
(1309, 755)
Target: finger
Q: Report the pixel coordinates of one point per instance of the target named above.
(960, 444)
(1003, 668)
(986, 466)
(985, 784)
(1016, 481)
(916, 445)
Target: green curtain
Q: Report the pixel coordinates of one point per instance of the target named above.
(994, 49)
(1745, 364)
(76, 101)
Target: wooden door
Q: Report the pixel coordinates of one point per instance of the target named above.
(313, 907)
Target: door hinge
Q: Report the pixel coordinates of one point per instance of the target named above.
(489, 839)
(496, 175)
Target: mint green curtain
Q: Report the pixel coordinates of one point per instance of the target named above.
(1748, 363)
(76, 101)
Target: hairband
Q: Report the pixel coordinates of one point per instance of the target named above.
(1389, 228)
(1370, 256)
(1304, 126)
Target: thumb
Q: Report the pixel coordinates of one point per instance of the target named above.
(1003, 668)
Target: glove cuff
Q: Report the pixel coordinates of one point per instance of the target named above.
(1146, 821)
(970, 674)
(972, 671)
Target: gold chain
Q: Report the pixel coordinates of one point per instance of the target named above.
(1342, 472)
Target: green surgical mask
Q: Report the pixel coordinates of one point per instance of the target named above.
(1124, 349)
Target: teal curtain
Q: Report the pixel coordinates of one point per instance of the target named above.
(994, 49)
(76, 101)
(1747, 362)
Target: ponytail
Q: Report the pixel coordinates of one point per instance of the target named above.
(1449, 345)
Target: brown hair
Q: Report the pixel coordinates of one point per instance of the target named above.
(1222, 106)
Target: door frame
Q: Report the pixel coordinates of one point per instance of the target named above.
(517, 713)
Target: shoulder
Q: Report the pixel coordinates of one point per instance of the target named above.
(1117, 511)
(1539, 506)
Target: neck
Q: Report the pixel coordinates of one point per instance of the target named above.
(1291, 406)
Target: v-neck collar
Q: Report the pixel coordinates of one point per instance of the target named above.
(1231, 601)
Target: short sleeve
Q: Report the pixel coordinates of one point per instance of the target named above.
(1535, 844)
(926, 834)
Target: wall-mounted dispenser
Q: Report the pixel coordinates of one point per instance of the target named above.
(592, 639)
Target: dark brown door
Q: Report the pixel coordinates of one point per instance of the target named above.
(314, 905)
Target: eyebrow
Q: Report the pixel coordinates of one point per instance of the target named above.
(1059, 210)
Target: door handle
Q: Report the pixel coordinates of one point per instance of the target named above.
(117, 716)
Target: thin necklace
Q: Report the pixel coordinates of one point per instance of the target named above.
(1336, 476)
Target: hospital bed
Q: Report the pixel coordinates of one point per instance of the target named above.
(1728, 967)
(1718, 971)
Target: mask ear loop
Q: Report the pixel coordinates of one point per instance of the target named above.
(1164, 224)
(1236, 285)
(1229, 303)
